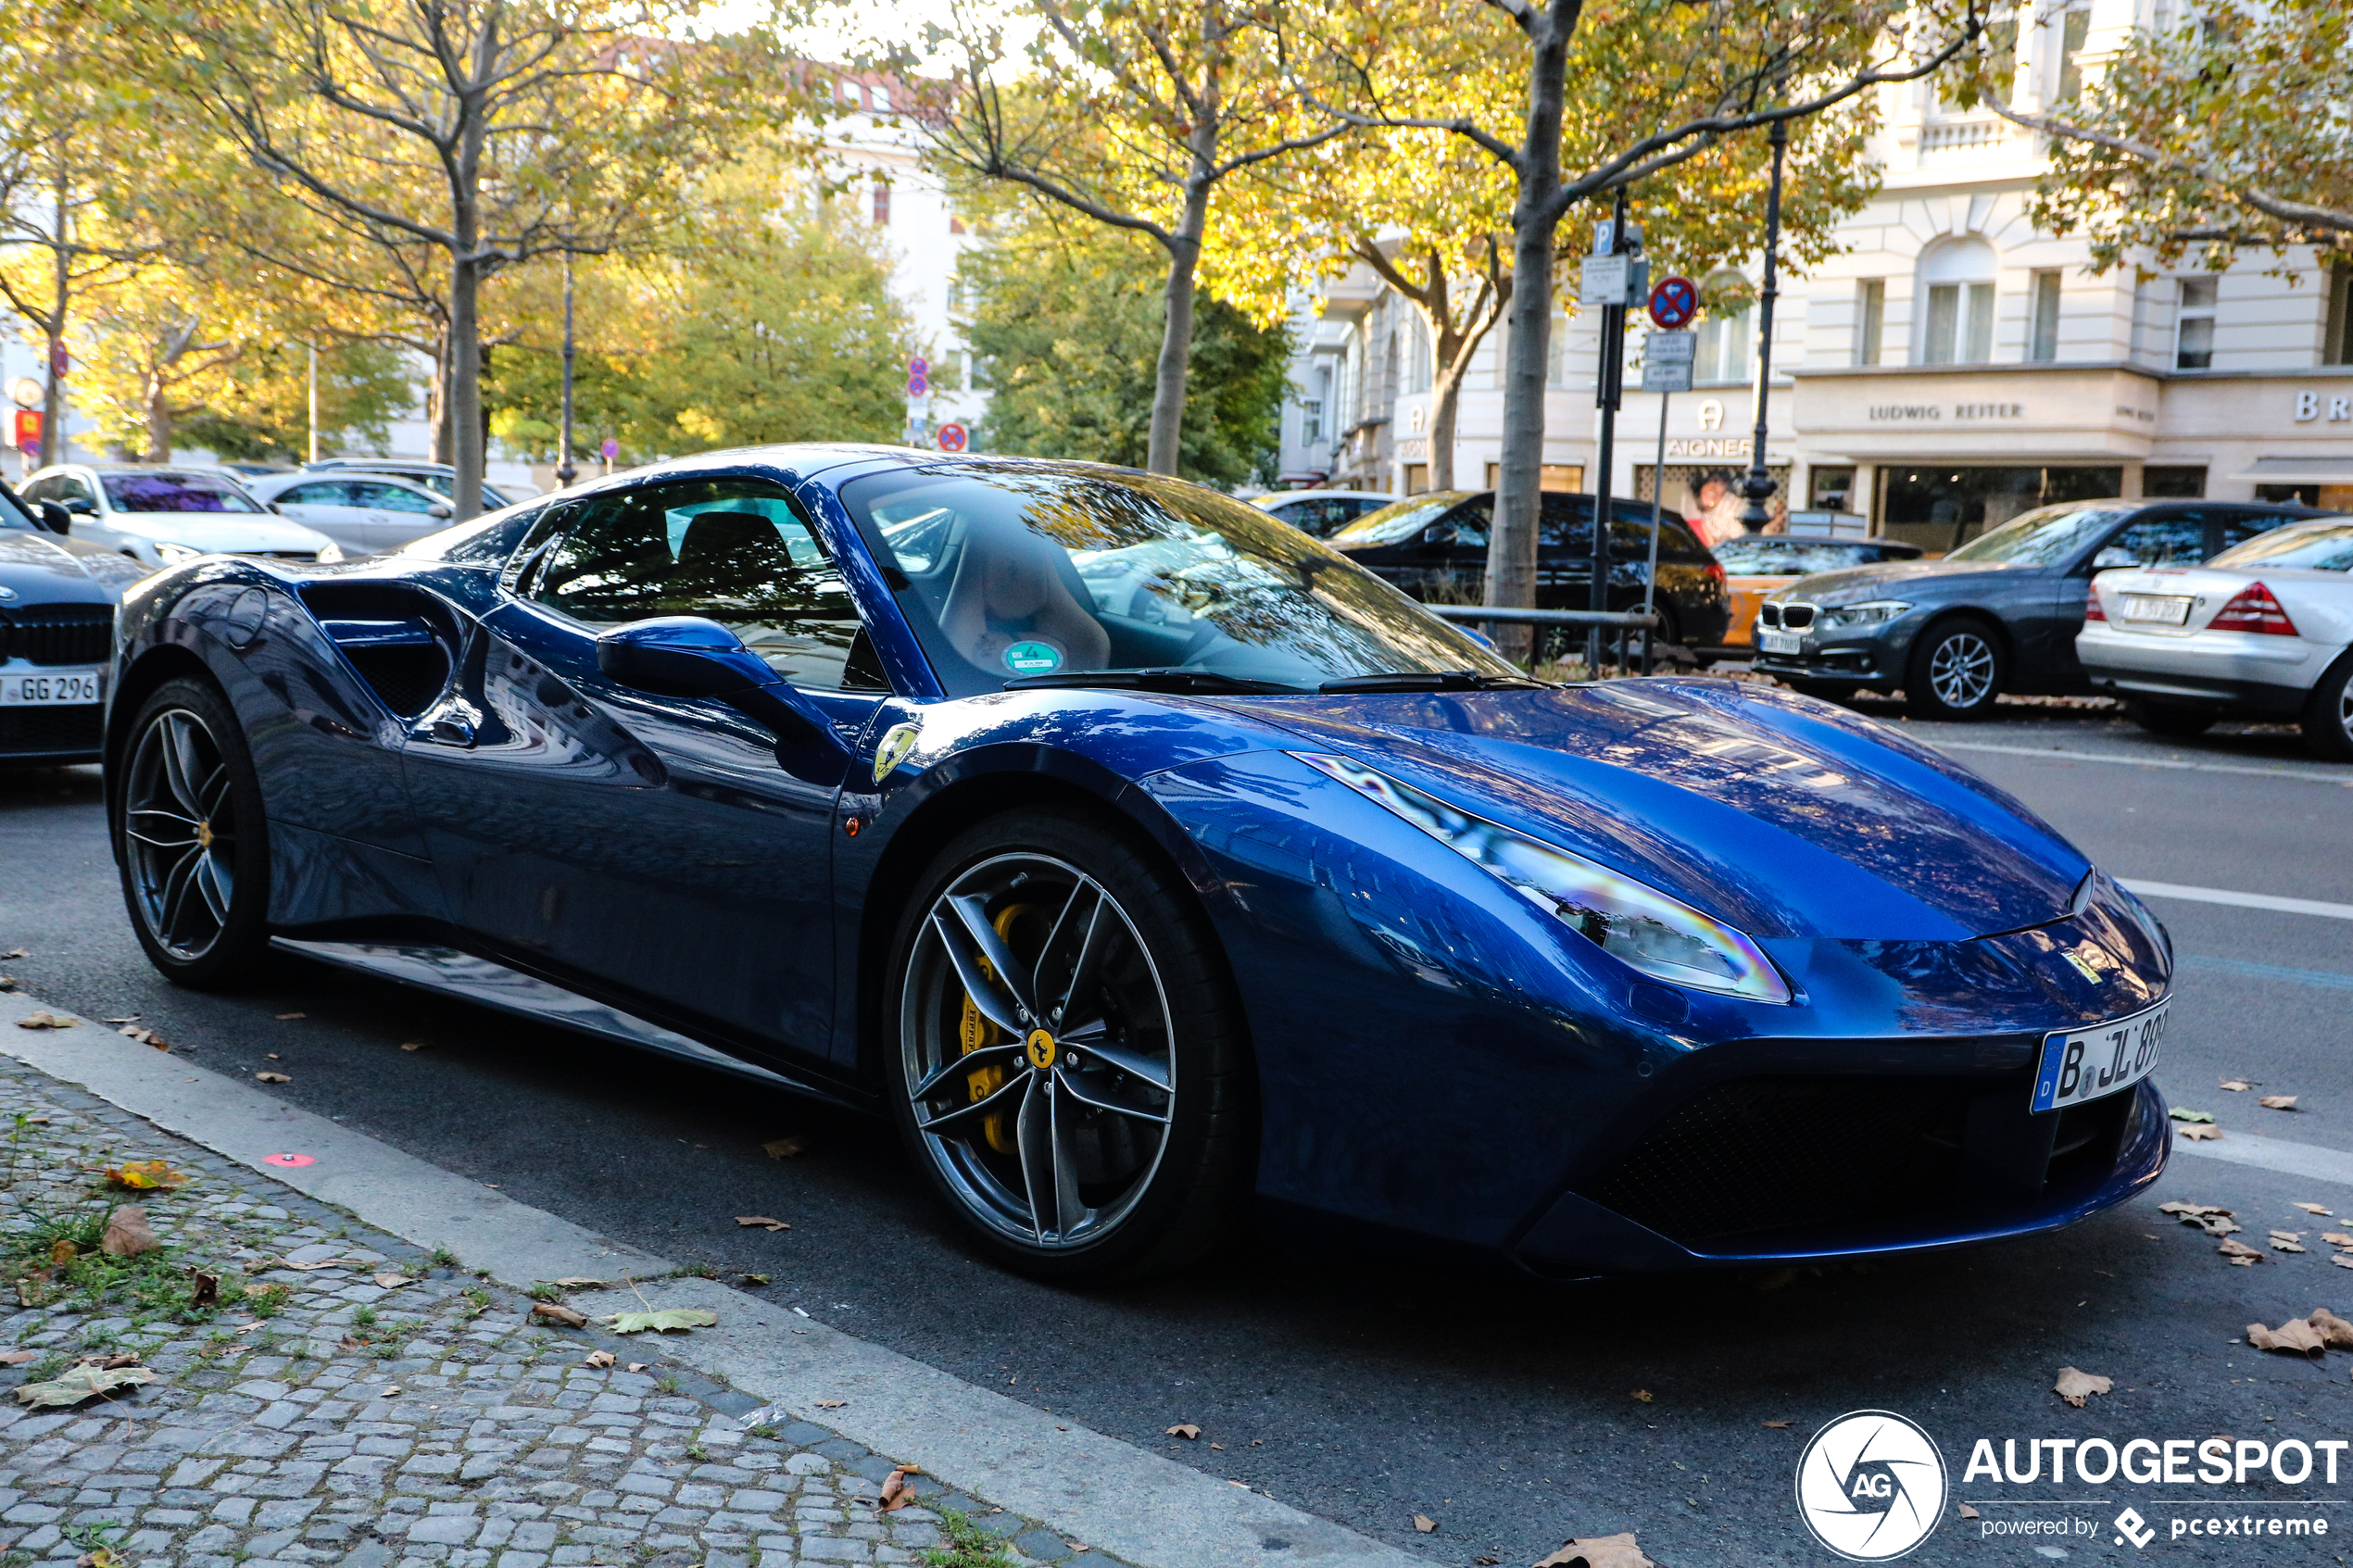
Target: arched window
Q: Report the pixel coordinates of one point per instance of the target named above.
(1956, 304)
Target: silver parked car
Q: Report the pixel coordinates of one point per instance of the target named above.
(439, 478)
(368, 514)
(162, 515)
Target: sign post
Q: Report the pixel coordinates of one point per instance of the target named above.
(1613, 278)
(1668, 354)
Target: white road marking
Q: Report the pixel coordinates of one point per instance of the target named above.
(2242, 900)
(2310, 776)
(1146, 1509)
(2309, 1160)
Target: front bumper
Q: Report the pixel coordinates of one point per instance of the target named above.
(52, 736)
(1857, 658)
(2241, 672)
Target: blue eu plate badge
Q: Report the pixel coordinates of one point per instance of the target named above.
(2084, 1064)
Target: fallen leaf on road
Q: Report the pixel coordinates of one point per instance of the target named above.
(2335, 1331)
(2076, 1387)
(2192, 1211)
(85, 1381)
(2277, 1102)
(204, 1288)
(2342, 1259)
(895, 1495)
(2238, 1253)
(2295, 1336)
(1968, 1512)
(599, 1358)
(1603, 1551)
(1776, 1425)
(273, 1078)
(1184, 1429)
(556, 1311)
(578, 1281)
(393, 1392)
(639, 1366)
(2184, 1113)
(349, 1345)
(128, 1233)
(1642, 1394)
(43, 1020)
(2237, 1085)
(2200, 1133)
(662, 1322)
(18, 1358)
(785, 1149)
(762, 1222)
(146, 1175)
(1425, 1524)
(830, 1404)
(283, 1016)
(394, 1282)
(2308, 1207)
(412, 1044)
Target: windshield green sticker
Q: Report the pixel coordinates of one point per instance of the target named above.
(1033, 659)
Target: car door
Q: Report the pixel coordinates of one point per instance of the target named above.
(1564, 552)
(79, 495)
(325, 505)
(664, 848)
(2160, 536)
(396, 514)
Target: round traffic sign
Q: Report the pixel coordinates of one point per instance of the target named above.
(917, 385)
(1674, 303)
(952, 438)
(25, 393)
(611, 448)
(919, 366)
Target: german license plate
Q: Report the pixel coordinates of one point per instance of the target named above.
(46, 689)
(2165, 607)
(1778, 642)
(2084, 1064)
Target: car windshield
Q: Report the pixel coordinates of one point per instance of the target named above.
(2322, 546)
(1791, 557)
(174, 492)
(2043, 537)
(1015, 570)
(1399, 520)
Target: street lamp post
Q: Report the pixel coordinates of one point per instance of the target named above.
(1759, 487)
(313, 404)
(565, 471)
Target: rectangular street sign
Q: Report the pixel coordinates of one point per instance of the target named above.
(1601, 280)
(1666, 360)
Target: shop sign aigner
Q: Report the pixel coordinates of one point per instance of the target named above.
(1872, 1486)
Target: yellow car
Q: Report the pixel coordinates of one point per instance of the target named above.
(1758, 564)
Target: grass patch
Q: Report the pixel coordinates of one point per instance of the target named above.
(968, 1546)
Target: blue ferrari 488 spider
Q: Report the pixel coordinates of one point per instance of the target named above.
(1142, 859)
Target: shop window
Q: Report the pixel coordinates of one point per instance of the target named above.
(2043, 343)
(1956, 284)
(1832, 489)
(1870, 308)
(1553, 476)
(2172, 482)
(2193, 325)
(1721, 354)
(1944, 507)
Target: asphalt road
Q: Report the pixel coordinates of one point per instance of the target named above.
(1370, 1389)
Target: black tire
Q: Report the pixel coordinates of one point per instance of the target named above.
(191, 840)
(1958, 667)
(2328, 714)
(2170, 719)
(1165, 1014)
(1827, 691)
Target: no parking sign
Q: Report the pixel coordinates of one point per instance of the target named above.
(1674, 303)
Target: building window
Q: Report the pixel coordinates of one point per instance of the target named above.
(2043, 346)
(1956, 282)
(1871, 305)
(1721, 354)
(2075, 27)
(2336, 345)
(2193, 327)
(2173, 483)
(1417, 353)
(882, 204)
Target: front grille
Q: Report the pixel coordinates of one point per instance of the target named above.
(1785, 1154)
(1796, 617)
(1769, 614)
(35, 731)
(59, 633)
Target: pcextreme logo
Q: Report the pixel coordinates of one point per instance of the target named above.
(1870, 1485)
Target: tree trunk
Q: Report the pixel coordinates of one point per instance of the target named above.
(465, 387)
(1510, 549)
(52, 395)
(1166, 443)
(1445, 398)
(158, 421)
(437, 400)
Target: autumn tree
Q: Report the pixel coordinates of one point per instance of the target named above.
(1699, 72)
(480, 132)
(2227, 131)
(1133, 114)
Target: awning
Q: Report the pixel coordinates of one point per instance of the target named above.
(2298, 470)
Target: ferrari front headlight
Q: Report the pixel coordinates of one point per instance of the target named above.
(176, 555)
(1642, 928)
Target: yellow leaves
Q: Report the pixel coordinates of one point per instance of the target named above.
(146, 1175)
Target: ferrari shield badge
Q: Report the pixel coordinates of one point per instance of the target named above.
(896, 741)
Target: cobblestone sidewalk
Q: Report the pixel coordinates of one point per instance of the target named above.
(351, 1400)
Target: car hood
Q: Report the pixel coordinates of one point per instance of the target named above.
(1851, 584)
(1779, 814)
(227, 532)
(42, 569)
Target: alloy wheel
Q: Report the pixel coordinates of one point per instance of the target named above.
(180, 829)
(1960, 669)
(1039, 1051)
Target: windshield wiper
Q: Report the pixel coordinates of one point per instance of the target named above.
(1149, 681)
(1431, 681)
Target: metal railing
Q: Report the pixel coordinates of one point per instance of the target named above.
(1614, 652)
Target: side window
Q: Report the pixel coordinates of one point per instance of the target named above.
(2174, 539)
(733, 550)
(40, 490)
(72, 487)
(391, 498)
(1630, 538)
(1471, 520)
(1568, 522)
(316, 495)
(2237, 528)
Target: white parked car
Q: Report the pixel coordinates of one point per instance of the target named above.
(368, 514)
(2262, 630)
(163, 516)
(1322, 512)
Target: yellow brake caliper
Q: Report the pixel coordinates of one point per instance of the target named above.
(974, 1031)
